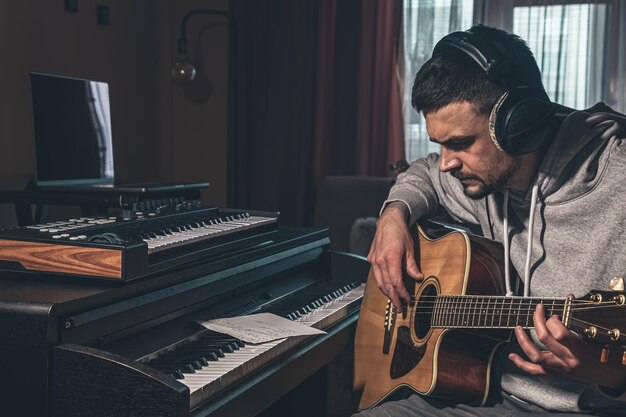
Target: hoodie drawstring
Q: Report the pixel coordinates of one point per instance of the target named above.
(505, 228)
(529, 247)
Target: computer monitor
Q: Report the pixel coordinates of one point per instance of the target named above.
(72, 130)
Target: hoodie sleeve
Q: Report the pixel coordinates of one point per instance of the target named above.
(423, 188)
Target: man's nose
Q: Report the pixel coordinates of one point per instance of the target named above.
(448, 161)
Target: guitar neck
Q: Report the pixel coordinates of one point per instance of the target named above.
(492, 312)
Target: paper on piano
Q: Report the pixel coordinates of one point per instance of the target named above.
(259, 328)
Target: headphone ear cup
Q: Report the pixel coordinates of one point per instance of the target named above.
(523, 123)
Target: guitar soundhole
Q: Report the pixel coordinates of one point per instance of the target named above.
(424, 311)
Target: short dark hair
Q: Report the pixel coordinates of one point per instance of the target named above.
(453, 77)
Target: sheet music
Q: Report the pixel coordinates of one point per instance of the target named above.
(259, 328)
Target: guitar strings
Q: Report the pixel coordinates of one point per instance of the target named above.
(509, 309)
(474, 300)
(474, 309)
(509, 306)
(469, 322)
(590, 324)
(446, 308)
(508, 325)
(498, 297)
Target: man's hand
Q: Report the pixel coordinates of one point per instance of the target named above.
(391, 249)
(567, 354)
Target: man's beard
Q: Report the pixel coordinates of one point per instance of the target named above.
(492, 183)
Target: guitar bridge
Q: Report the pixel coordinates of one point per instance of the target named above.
(390, 322)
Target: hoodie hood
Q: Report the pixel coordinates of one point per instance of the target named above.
(574, 163)
(572, 168)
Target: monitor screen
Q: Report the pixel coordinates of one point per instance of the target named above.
(72, 130)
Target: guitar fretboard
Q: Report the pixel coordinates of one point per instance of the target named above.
(469, 311)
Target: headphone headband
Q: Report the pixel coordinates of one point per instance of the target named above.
(521, 119)
(495, 65)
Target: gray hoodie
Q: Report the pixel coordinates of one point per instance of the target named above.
(578, 239)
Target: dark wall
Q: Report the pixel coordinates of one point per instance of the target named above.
(161, 130)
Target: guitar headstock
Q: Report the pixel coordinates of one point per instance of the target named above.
(599, 317)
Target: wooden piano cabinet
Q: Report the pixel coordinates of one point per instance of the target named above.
(128, 388)
(73, 348)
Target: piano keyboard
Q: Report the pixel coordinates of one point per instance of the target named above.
(214, 361)
(168, 238)
(125, 248)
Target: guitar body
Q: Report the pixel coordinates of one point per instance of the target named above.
(393, 350)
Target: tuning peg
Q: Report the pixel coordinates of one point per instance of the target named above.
(591, 332)
(614, 334)
(617, 284)
(604, 356)
(596, 298)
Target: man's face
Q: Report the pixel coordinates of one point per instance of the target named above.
(467, 151)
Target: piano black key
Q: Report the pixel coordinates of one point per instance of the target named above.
(172, 366)
(200, 353)
(177, 374)
(218, 348)
(212, 379)
(232, 342)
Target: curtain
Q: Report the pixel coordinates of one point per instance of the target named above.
(497, 14)
(277, 67)
(318, 93)
(580, 48)
(324, 116)
(568, 42)
(615, 85)
(380, 133)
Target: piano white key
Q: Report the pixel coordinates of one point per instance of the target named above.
(234, 365)
(204, 232)
(231, 360)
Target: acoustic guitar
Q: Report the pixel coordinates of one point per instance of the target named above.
(444, 340)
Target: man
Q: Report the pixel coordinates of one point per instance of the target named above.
(556, 186)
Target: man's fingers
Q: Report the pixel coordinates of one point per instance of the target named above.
(564, 344)
(378, 275)
(388, 276)
(527, 345)
(384, 284)
(556, 358)
(402, 292)
(388, 251)
(411, 267)
(553, 334)
(538, 359)
(393, 296)
(529, 367)
(394, 273)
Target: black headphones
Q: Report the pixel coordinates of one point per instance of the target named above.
(521, 121)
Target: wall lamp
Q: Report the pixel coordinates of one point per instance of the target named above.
(184, 71)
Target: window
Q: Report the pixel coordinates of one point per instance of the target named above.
(568, 44)
(425, 22)
(580, 48)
